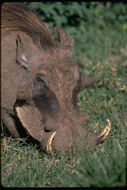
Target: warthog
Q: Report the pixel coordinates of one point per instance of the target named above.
(40, 83)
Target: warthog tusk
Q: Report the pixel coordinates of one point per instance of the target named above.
(105, 131)
(49, 143)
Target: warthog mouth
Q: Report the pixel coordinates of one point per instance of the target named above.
(100, 137)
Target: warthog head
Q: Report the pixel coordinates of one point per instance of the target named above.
(42, 91)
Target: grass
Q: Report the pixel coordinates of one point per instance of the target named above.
(101, 53)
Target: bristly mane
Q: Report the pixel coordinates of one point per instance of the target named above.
(17, 17)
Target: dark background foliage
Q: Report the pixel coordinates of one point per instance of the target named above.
(87, 23)
(73, 13)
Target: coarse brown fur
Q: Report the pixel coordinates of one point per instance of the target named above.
(16, 17)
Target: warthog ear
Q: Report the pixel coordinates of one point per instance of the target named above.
(20, 56)
(63, 37)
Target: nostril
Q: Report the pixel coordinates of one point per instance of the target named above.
(47, 129)
(46, 126)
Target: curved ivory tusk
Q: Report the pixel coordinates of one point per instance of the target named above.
(49, 143)
(106, 130)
